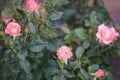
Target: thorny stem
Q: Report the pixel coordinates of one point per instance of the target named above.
(43, 16)
(101, 51)
(15, 51)
(26, 30)
(78, 63)
(13, 48)
(61, 65)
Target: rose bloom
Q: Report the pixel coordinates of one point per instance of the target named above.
(64, 53)
(99, 73)
(32, 5)
(106, 34)
(13, 29)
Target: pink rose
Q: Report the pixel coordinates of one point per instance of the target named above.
(7, 20)
(99, 73)
(64, 53)
(106, 34)
(32, 5)
(13, 29)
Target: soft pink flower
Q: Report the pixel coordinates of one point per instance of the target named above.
(13, 29)
(99, 73)
(7, 20)
(32, 5)
(106, 34)
(64, 53)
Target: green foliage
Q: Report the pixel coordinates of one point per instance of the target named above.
(80, 33)
(6, 12)
(36, 48)
(93, 68)
(32, 55)
(56, 16)
(25, 65)
(32, 28)
(79, 52)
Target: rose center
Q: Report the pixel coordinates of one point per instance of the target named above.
(107, 35)
(14, 30)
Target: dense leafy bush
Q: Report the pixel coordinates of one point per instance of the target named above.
(31, 54)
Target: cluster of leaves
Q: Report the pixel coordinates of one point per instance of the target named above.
(32, 56)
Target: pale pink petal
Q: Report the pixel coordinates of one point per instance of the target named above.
(65, 62)
(98, 35)
(101, 28)
(106, 42)
(114, 32)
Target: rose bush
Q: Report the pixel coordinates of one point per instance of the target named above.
(41, 28)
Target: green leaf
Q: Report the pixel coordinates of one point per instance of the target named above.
(80, 33)
(96, 60)
(86, 44)
(18, 2)
(37, 74)
(64, 2)
(39, 55)
(67, 37)
(53, 45)
(2, 4)
(55, 71)
(93, 68)
(29, 76)
(32, 28)
(79, 52)
(56, 16)
(48, 73)
(22, 54)
(87, 23)
(84, 73)
(59, 2)
(66, 30)
(55, 2)
(93, 16)
(67, 74)
(59, 77)
(110, 76)
(55, 78)
(37, 48)
(100, 3)
(85, 60)
(8, 12)
(81, 76)
(25, 65)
